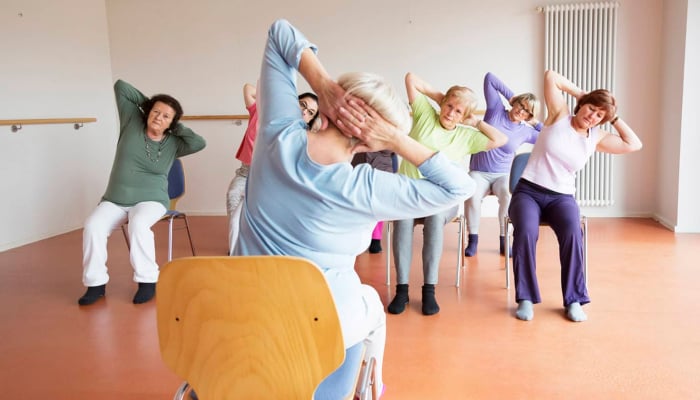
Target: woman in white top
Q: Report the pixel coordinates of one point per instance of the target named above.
(546, 189)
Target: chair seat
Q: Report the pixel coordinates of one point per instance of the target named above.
(461, 236)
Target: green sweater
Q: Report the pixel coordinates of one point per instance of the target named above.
(135, 177)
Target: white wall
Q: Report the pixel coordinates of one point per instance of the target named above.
(689, 184)
(57, 55)
(55, 64)
(207, 57)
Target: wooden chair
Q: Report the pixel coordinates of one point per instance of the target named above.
(461, 236)
(516, 170)
(257, 327)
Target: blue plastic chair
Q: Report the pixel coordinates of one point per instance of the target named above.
(176, 189)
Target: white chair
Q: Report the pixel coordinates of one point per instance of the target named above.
(459, 219)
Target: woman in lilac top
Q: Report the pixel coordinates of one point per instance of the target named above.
(545, 192)
(490, 169)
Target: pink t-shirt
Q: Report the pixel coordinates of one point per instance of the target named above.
(245, 150)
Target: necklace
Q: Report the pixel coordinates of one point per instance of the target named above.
(150, 150)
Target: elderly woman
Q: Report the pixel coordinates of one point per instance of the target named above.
(454, 131)
(150, 138)
(305, 199)
(545, 192)
(491, 169)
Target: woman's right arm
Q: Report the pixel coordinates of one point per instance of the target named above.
(494, 88)
(249, 93)
(129, 101)
(416, 86)
(554, 85)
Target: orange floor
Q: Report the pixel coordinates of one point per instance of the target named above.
(642, 339)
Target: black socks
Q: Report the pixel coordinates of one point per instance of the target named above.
(471, 245)
(430, 305)
(375, 247)
(400, 300)
(145, 293)
(398, 305)
(92, 294)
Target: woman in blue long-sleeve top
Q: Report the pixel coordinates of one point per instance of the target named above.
(305, 199)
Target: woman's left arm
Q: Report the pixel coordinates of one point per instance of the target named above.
(495, 136)
(189, 142)
(626, 142)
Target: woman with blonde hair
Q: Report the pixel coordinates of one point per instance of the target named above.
(454, 131)
(305, 199)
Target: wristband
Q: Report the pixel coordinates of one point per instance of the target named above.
(614, 120)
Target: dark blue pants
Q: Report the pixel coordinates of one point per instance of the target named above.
(530, 205)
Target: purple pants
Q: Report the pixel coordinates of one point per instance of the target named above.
(529, 205)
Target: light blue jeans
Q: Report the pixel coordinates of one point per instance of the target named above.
(433, 234)
(495, 183)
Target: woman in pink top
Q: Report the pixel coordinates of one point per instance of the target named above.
(546, 189)
(308, 102)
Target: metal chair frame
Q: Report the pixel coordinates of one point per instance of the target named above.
(460, 219)
(176, 189)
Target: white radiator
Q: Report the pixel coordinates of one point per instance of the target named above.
(580, 44)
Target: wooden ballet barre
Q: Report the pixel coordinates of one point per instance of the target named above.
(18, 123)
(237, 117)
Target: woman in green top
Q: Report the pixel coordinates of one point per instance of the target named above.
(150, 138)
(454, 131)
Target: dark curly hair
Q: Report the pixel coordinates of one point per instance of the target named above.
(315, 98)
(147, 106)
(599, 98)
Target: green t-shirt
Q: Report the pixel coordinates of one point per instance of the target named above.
(455, 144)
(137, 176)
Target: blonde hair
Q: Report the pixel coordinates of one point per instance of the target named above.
(465, 96)
(379, 95)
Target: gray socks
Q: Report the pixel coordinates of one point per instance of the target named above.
(525, 311)
(575, 313)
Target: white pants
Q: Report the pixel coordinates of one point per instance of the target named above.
(487, 183)
(376, 338)
(234, 202)
(102, 222)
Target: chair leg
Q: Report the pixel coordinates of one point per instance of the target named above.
(460, 247)
(170, 238)
(507, 251)
(584, 227)
(367, 383)
(126, 237)
(189, 235)
(389, 225)
(181, 391)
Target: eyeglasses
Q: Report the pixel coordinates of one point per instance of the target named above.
(520, 109)
(305, 108)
